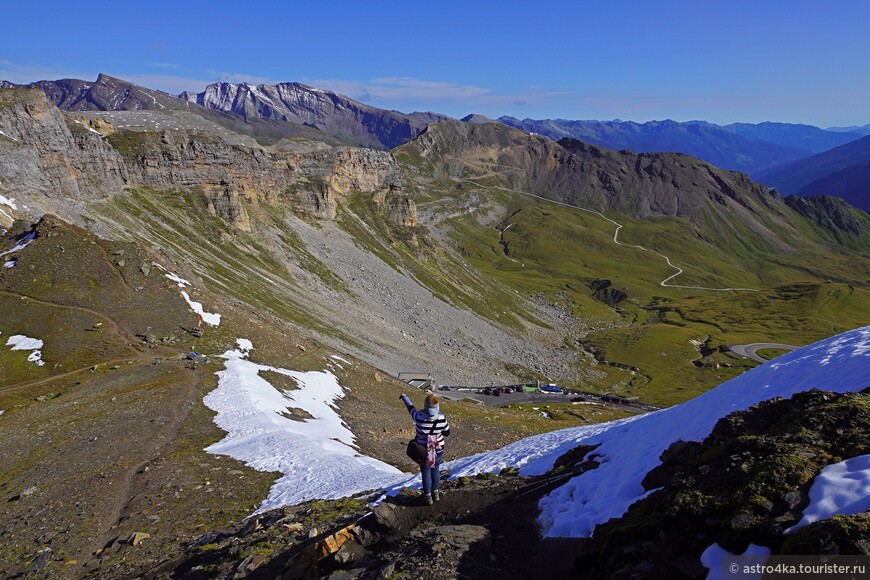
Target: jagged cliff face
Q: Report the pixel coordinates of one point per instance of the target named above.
(332, 113)
(841, 222)
(45, 157)
(87, 160)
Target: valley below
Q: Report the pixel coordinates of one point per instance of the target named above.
(150, 254)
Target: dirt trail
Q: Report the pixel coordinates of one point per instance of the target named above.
(36, 383)
(115, 329)
(111, 327)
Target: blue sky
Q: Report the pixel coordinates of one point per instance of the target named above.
(792, 61)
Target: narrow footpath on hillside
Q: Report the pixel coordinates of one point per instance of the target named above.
(115, 499)
(109, 327)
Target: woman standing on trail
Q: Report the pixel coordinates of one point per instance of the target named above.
(432, 428)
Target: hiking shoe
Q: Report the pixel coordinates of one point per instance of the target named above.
(427, 499)
(436, 496)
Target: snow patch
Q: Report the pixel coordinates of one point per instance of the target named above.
(178, 280)
(88, 127)
(714, 555)
(207, 317)
(10, 263)
(21, 243)
(21, 342)
(630, 448)
(8, 201)
(338, 358)
(9, 137)
(317, 456)
(841, 488)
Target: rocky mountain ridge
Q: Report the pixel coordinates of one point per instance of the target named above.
(330, 112)
(53, 153)
(638, 185)
(109, 94)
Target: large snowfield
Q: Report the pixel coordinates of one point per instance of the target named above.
(317, 457)
(319, 460)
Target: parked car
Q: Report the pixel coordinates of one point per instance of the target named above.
(550, 389)
(487, 391)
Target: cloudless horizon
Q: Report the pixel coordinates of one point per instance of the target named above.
(723, 62)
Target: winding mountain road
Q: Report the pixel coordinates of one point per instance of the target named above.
(749, 350)
(618, 225)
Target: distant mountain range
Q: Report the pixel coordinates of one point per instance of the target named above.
(777, 154)
(842, 172)
(792, 135)
(740, 147)
(863, 130)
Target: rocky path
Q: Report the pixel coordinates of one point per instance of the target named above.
(483, 528)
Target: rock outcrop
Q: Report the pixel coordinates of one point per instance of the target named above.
(87, 160)
(831, 213)
(334, 114)
(747, 482)
(45, 153)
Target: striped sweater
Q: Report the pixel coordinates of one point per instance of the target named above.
(426, 424)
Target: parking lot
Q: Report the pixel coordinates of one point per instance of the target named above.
(513, 397)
